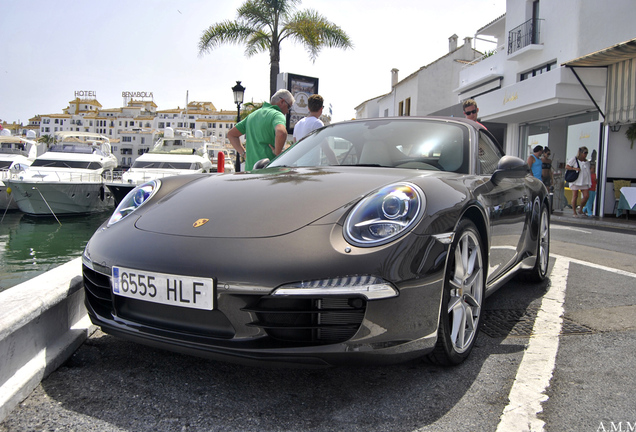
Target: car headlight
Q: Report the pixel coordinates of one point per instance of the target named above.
(135, 199)
(385, 215)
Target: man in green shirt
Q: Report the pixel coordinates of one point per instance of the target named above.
(265, 131)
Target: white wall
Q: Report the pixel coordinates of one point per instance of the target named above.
(621, 160)
(387, 103)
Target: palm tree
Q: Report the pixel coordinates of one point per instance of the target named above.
(48, 140)
(262, 25)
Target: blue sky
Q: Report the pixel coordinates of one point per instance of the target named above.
(50, 49)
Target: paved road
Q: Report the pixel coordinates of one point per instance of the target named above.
(529, 367)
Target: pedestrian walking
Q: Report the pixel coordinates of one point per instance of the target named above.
(583, 182)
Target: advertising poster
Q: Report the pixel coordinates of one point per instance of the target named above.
(301, 87)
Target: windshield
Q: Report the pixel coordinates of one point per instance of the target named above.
(139, 164)
(394, 143)
(66, 164)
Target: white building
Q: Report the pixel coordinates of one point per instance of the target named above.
(550, 80)
(134, 128)
(425, 91)
(563, 75)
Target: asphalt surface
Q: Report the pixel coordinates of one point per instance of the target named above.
(113, 385)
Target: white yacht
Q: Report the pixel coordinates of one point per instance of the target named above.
(69, 178)
(176, 153)
(16, 154)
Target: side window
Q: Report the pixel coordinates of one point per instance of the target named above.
(489, 155)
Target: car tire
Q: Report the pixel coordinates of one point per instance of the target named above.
(540, 269)
(462, 299)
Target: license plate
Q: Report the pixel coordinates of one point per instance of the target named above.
(168, 289)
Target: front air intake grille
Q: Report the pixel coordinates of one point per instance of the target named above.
(309, 321)
(97, 287)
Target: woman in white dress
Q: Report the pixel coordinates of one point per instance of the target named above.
(583, 182)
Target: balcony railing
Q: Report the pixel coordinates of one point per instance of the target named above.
(528, 33)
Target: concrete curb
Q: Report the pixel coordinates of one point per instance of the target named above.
(42, 322)
(596, 222)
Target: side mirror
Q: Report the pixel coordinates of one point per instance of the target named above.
(510, 167)
(261, 164)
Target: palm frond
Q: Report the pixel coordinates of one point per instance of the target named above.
(254, 14)
(223, 32)
(284, 7)
(315, 32)
(258, 42)
(266, 13)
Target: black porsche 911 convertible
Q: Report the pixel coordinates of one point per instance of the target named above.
(369, 241)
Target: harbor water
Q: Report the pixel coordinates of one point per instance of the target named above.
(30, 246)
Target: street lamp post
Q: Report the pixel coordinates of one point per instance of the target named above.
(239, 92)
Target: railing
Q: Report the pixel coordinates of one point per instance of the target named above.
(60, 176)
(485, 56)
(526, 34)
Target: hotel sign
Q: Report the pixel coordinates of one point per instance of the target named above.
(126, 94)
(85, 94)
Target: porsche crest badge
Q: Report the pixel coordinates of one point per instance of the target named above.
(200, 222)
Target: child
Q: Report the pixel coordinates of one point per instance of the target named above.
(588, 209)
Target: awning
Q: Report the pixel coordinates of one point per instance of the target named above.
(620, 60)
(620, 105)
(608, 56)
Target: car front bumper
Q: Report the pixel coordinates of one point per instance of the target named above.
(255, 320)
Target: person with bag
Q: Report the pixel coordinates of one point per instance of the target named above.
(582, 179)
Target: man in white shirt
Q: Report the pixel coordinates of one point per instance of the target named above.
(312, 121)
(322, 155)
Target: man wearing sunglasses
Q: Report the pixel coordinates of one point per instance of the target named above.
(264, 129)
(470, 109)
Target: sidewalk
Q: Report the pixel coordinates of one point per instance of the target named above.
(566, 217)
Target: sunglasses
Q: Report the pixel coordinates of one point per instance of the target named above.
(470, 112)
(584, 152)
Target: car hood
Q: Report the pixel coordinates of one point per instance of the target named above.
(264, 203)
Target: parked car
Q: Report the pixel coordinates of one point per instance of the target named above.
(369, 241)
